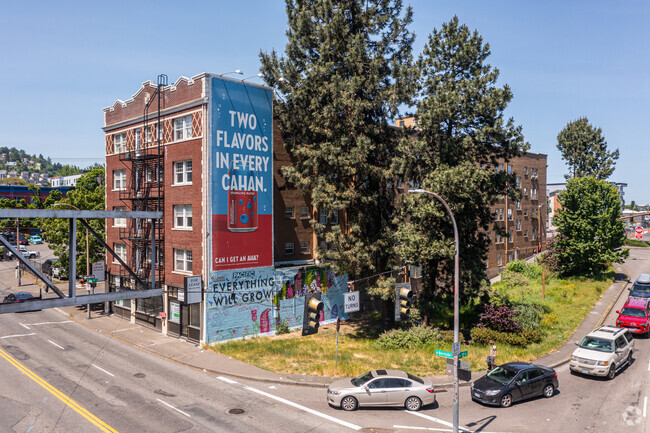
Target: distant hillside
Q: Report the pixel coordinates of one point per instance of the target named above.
(19, 160)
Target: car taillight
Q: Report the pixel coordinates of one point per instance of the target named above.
(431, 390)
(555, 375)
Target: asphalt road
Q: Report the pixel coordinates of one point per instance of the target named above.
(115, 386)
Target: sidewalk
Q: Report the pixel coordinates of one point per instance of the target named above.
(189, 354)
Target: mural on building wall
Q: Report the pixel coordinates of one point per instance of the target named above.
(250, 302)
(242, 175)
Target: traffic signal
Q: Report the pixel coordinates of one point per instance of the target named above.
(313, 308)
(405, 298)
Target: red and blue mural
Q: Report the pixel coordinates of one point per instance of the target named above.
(241, 175)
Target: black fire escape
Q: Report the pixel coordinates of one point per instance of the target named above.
(145, 190)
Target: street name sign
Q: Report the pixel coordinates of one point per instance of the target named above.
(462, 354)
(444, 353)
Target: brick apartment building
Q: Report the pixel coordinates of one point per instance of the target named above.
(167, 150)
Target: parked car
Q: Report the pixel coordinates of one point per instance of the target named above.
(18, 297)
(23, 241)
(25, 252)
(641, 287)
(36, 239)
(603, 351)
(634, 316)
(381, 388)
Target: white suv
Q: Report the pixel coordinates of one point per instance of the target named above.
(603, 351)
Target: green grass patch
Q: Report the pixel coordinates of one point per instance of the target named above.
(636, 243)
(566, 301)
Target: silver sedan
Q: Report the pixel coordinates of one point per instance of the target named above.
(381, 388)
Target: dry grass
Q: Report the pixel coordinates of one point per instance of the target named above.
(571, 300)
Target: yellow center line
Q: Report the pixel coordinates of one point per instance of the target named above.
(58, 394)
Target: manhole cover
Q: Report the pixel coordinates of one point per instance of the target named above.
(236, 411)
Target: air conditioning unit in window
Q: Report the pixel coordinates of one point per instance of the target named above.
(534, 176)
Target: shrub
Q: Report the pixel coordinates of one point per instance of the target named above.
(282, 327)
(448, 336)
(520, 339)
(528, 270)
(514, 280)
(412, 338)
(516, 266)
(549, 320)
(499, 318)
(528, 315)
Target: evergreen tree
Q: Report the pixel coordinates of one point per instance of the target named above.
(346, 69)
(460, 135)
(591, 233)
(584, 149)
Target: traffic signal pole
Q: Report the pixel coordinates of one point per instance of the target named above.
(456, 309)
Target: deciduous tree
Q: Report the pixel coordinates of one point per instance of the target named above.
(591, 235)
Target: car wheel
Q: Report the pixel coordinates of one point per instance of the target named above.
(549, 390)
(506, 400)
(612, 372)
(629, 358)
(413, 404)
(349, 403)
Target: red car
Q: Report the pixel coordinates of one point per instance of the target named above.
(634, 316)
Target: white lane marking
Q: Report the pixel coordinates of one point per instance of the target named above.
(645, 405)
(439, 421)
(225, 379)
(48, 323)
(24, 326)
(62, 348)
(18, 335)
(648, 365)
(167, 404)
(306, 409)
(406, 427)
(101, 369)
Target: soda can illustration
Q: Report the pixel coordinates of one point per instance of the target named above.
(242, 204)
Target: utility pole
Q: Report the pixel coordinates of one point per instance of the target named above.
(18, 249)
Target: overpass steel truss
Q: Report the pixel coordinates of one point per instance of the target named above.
(147, 291)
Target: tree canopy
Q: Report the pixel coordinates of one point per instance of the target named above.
(591, 235)
(460, 135)
(585, 151)
(345, 70)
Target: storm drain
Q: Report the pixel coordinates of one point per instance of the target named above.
(236, 411)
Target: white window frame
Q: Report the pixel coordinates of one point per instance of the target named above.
(289, 249)
(304, 212)
(183, 261)
(119, 142)
(288, 212)
(119, 222)
(322, 216)
(305, 247)
(509, 214)
(183, 169)
(183, 215)
(119, 180)
(518, 225)
(518, 182)
(120, 250)
(183, 128)
(518, 205)
(138, 138)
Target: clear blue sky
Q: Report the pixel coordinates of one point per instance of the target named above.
(63, 62)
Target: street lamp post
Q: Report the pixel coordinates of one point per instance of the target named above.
(456, 309)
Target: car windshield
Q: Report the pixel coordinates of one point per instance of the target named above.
(359, 381)
(599, 344)
(641, 288)
(502, 375)
(634, 312)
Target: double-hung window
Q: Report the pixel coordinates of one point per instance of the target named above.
(304, 212)
(183, 128)
(182, 260)
(323, 216)
(120, 251)
(119, 180)
(119, 222)
(288, 248)
(183, 172)
(304, 247)
(288, 212)
(119, 143)
(183, 216)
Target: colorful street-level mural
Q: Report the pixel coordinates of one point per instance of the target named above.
(250, 302)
